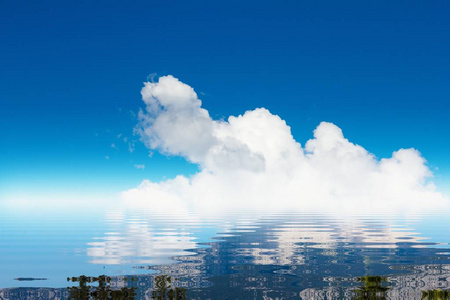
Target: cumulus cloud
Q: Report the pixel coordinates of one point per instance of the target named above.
(252, 161)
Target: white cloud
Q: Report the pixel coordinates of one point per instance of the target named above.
(139, 166)
(131, 146)
(252, 161)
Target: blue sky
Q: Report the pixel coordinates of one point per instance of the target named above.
(71, 75)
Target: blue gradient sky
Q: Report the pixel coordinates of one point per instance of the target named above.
(71, 74)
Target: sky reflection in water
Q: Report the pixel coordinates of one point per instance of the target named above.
(281, 255)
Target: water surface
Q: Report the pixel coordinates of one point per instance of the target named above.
(144, 255)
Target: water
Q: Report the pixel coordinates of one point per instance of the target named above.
(57, 254)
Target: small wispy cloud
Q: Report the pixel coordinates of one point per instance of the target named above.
(131, 147)
(140, 166)
(151, 77)
(107, 157)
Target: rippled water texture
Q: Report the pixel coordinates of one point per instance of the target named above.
(284, 255)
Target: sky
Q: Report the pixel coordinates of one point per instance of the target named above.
(71, 75)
